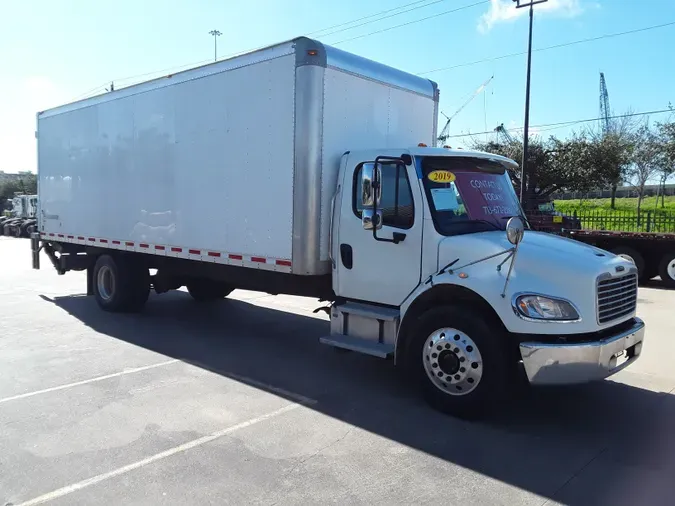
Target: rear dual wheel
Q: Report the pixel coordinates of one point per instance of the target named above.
(207, 290)
(121, 284)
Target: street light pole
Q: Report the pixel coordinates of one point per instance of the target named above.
(526, 129)
(215, 34)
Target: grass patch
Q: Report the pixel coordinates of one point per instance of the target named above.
(623, 205)
(597, 214)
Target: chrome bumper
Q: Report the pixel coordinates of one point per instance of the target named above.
(564, 364)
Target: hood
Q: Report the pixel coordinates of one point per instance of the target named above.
(546, 264)
(539, 254)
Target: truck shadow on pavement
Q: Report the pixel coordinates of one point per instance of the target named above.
(605, 443)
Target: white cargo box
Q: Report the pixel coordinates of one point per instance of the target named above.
(234, 162)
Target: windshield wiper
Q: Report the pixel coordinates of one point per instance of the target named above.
(484, 222)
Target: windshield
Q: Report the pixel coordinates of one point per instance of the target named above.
(468, 194)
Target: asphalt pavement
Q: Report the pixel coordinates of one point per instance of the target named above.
(238, 403)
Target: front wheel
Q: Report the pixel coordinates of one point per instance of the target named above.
(460, 361)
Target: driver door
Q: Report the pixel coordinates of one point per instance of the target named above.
(380, 271)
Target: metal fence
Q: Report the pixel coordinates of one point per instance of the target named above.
(626, 221)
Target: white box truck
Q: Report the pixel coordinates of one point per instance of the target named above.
(302, 169)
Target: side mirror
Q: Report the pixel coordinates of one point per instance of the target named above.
(371, 178)
(371, 220)
(515, 230)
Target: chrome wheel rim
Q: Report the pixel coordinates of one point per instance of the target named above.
(452, 361)
(670, 270)
(105, 282)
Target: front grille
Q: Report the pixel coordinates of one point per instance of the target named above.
(617, 297)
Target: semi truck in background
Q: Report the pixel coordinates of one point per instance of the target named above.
(652, 253)
(317, 182)
(22, 219)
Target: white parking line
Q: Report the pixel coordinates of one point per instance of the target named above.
(84, 382)
(154, 458)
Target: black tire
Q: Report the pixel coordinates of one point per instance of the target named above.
(633, 256)
(486, 355)
(120, 284)
(667, 269)
(207, 290)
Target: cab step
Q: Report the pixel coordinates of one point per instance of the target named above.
(367, 347)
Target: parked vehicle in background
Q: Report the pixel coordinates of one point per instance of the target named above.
(653, 253)
(420, 252)
(22, 219)
(545, 218)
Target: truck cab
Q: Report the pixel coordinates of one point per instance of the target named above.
(433, 265)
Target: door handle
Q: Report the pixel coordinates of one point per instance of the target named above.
(399, 237)
(347, 255)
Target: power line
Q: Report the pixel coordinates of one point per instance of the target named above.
(467, 64)
(411, 22)
(426, 4)
(562, 124)
(372, 16)
(327, 34)
(382, 18)
(556, 46)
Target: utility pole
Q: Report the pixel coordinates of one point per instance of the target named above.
(526, 132)
(215, 34)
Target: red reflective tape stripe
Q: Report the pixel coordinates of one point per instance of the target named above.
(177, 250)
(128, 243)
(161, 248)
(286, 263)
(80, 238)
(92, 239)
(116, 242)
(144, 245)
(61, 235)
(214, 254)
(195, 252)
(259, 260)
(104, 240)
(51, 235)
(71, 237)
(236, 257)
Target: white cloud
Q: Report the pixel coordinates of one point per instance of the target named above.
(501, 11)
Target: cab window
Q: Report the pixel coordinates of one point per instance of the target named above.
(396, 203)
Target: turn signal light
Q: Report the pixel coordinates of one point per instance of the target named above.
(422, 145)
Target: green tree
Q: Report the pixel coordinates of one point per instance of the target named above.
(666, 134)
(553, 165)
(648, 160)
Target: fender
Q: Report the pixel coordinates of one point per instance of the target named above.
(426, 297)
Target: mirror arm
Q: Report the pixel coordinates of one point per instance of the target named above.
(398, 237)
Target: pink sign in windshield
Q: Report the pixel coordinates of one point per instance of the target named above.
(486, 196)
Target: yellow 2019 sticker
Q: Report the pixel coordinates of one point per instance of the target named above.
(441, 176)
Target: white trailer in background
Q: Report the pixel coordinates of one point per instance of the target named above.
(300, 155)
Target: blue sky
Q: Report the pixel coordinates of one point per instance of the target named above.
(54, 52)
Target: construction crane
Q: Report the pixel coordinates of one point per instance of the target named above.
(443, 137)
(503, 135)
(604, 105)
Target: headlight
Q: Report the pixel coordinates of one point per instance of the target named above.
(539, 307)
